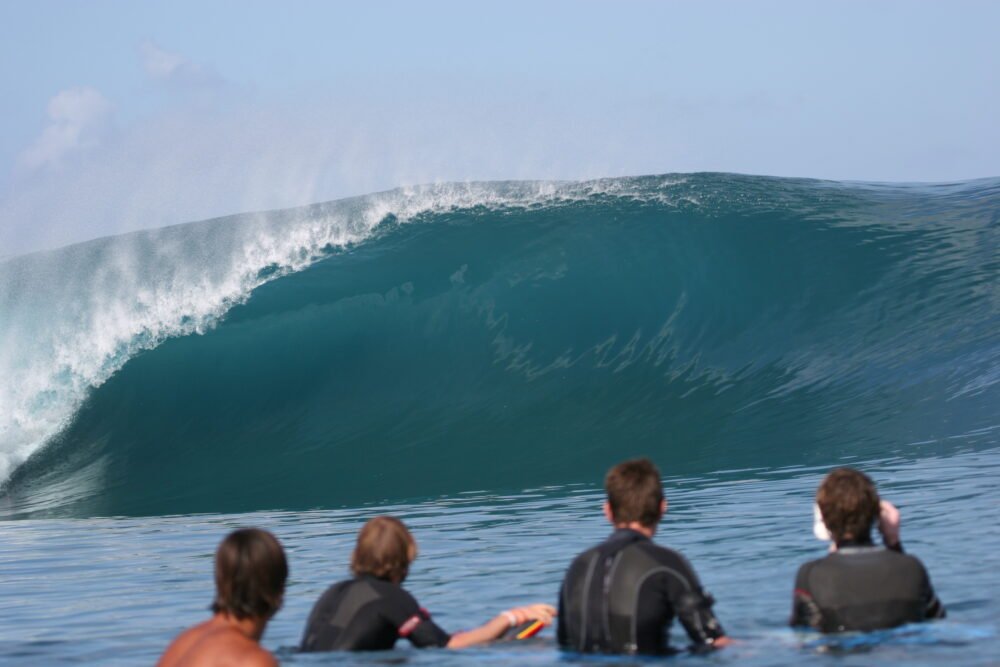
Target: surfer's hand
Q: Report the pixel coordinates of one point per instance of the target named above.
(504, 621)
(888, 523)
(533, 612)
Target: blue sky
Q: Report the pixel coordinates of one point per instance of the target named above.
(124, 115)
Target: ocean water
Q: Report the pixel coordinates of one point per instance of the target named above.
(472, 358)
(115, 591)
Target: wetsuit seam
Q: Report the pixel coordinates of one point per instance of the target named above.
(586, 594)
(638, 592)
(607, 594)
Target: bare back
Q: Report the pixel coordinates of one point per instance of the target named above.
(215, 643)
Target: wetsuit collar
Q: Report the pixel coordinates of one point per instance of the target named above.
(626, 534)
(856, 546)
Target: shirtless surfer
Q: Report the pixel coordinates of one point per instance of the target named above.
(250, 574)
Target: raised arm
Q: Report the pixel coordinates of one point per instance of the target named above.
(888, 525)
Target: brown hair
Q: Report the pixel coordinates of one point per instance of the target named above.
(849, 504)
(634, 492)
(250, 574)
(384, 550)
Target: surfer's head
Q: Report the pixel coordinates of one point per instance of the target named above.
(250, 574)
(635, 494)
(849, 504)
(384, 550)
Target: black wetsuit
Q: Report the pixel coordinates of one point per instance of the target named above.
(863, 587)
(368, 614)
(622, 595)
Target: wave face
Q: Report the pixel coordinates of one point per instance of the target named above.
(493, 336)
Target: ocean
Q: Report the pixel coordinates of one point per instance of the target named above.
(472, 357)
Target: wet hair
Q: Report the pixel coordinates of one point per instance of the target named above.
(384, 550)
(634, 492)
(250, 574)
(849, 504)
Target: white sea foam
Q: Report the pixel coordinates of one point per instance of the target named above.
(71, 318)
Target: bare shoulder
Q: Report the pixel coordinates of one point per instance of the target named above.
(259, 658)
(243, 652)
(181, 644)
(207, 645)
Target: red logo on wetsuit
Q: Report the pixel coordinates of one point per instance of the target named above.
(412, 622)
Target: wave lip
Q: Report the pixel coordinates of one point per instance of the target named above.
(722, 297)
(74, 316)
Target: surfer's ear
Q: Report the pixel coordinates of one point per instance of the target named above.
(608, 514)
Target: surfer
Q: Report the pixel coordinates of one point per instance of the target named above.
(372, 610)
(860, 586)
(250, 574)
(622, 595)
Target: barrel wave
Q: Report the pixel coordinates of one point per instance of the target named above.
(499, 336)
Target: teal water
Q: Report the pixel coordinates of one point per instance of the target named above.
(473, 357)
(496, 336)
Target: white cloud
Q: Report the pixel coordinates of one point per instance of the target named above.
(77, 117)
(172, 68)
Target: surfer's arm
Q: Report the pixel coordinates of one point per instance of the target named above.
(933, 607)
(693, 607)
(694, 611)
(561, 626)
(504, 621)
(888, 525)
(805, 611)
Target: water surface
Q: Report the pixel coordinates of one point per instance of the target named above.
(115, 591)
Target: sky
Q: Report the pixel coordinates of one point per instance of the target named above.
(126, 115)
